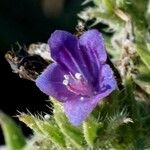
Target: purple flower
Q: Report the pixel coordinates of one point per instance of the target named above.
(79, 77)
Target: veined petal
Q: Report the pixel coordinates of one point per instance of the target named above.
(94, 43)
(93, 50)
(50, 82)
(64, 50)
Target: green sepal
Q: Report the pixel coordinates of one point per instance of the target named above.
(44, 127)
(30, 121)
(52, 132)
(90, 130)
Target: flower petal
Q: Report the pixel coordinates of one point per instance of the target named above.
(64, 48)
(50, 82)
(93, 41)
(106, 79)
(93, 51)
(77, 110)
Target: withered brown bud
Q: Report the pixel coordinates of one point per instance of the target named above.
(26, 64)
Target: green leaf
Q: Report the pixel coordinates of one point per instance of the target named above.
(13, 135)
(108, 4)
(147, 14)
(120, 3)
(144, 55)
(144, 77)
(72, 134)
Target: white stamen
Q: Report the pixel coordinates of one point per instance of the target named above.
(65, 82)
(81, 98)
(78, 76)
(66, 77)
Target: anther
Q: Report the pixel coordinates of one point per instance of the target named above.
(66, 77)
(65, 82)
(78, 76)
